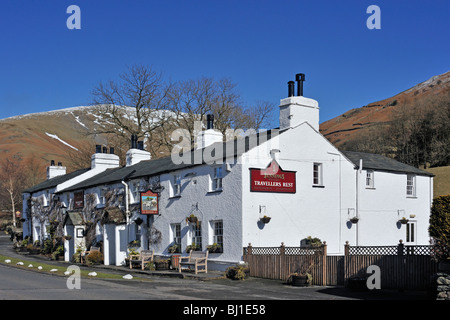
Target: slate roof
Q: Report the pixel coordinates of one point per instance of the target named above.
(381, 163)
(52, 183)
(165, 165)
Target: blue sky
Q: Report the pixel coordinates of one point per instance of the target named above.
(259, 44)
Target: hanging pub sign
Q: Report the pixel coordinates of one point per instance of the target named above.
(272, 179)
(78, 200)
(149, 202)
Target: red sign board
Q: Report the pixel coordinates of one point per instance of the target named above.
(149, 202)
(272, 179)
(78, 200)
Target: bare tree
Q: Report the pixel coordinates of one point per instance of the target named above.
(12, 182)
(136, 104)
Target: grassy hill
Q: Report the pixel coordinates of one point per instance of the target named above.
(441, 185)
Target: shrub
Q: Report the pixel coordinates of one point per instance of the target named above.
(95, 257)
(237, 272)
(439, 228)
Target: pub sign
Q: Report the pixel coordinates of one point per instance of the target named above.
(272, 179)
(149, 202)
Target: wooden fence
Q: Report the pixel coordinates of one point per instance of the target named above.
(401, 266)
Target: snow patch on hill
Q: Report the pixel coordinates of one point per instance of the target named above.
(54, 136)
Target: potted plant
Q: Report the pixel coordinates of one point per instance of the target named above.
(265, 219)
(161, 264)
(174, 248)
(354, 220)
(214, 248)
(193, 247)
(192, 218)
(403, 220)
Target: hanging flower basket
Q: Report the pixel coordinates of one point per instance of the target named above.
(192, 219)
(354, 220)
(265, 219)
(403, 220)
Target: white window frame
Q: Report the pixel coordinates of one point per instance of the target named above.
(217, 179)
(175, 234)
(217, 237)
(411, 185)
(176, 185)
(411, 232)
(317, 174)
(197, 235)
(370, 182)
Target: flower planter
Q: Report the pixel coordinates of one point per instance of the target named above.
(354, 220)
(265, 219)
(403, 221)
(162, 265)
(300, 281)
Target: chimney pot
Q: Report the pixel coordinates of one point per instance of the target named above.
(59, 164)
(210, 121)
(105, 150)
(133, 141)
(52, 163)
(111, 150)
(300, 77)
(140, 145)
(98, 148)
(291, 85)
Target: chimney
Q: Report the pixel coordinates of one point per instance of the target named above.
(295, 110)
(55, 171)
(136, 153)
(102, 160)
(210, 135)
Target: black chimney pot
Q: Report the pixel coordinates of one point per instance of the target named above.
(59, 164)
(291, 85)
(105, 150)
(133, 141)
(300, 77)
(111, 150)
(52, 162)
(98, 148)
(210, 121)
(140, 145)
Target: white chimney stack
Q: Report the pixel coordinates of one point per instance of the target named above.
(210, 135)
(295, 110)
(55, 171)
(137, 153)
(102, 160)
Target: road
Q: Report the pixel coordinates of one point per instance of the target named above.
(23, 284)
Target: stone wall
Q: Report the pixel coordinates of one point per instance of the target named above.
(441, 284)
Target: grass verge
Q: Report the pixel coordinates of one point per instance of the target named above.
(61, 269)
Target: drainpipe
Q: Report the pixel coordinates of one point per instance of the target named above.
(358, 172)
(127, 209)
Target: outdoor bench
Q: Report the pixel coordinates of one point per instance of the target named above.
(196, 259)
(144, 257)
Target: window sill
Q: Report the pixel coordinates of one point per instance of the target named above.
(371, 188)
(318, 186)
(215, 191)
(411, 197)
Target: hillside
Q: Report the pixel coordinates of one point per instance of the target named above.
(49, 135)
(358, 122)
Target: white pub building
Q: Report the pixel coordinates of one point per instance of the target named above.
(282, 185)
